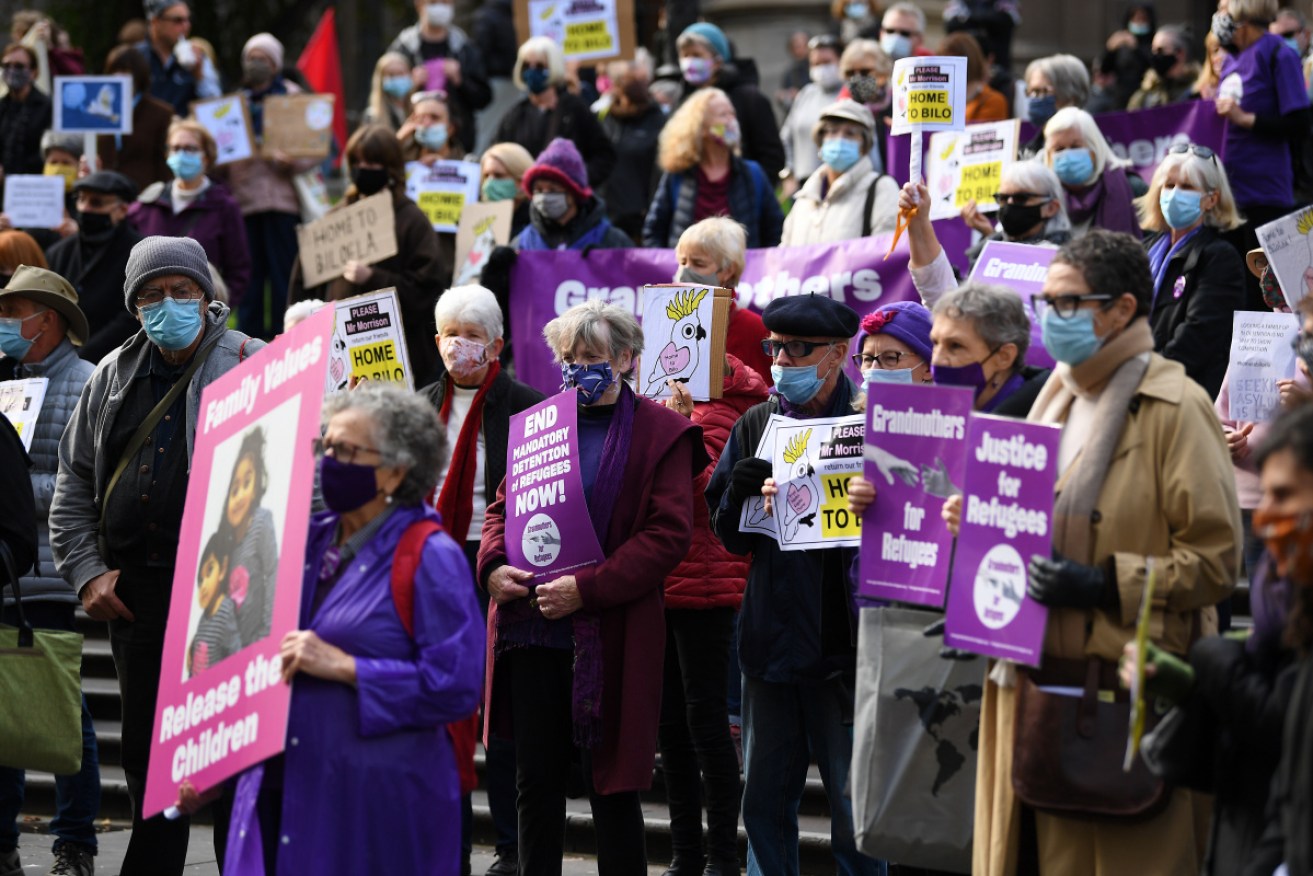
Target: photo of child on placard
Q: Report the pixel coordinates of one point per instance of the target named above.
(237, 572)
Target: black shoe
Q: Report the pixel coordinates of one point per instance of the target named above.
(73, 860)
(507, 863)
(685, 865)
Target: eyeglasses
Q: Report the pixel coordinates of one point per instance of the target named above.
(342, 451)
(861, 71)
(889, 360)
(1194, 149)
(185, 147)
(1034, 93)
(794, 349)
(907, 33)
(1015, 197)
(1065, 306)
(154, 294)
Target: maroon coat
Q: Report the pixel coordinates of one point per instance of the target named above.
(649, 532)
(710, 576)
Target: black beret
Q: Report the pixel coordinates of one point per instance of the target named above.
(110, 183)
(810, 316)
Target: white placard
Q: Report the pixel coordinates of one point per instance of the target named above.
(677, 329)
(1288, 244)
(20, 402)
(229, 123)
(584, 29)
(968, 165)
(442, 190)
(34, 200)
(930, 94)
(369, 342)
(1260, 356)
(813, 460)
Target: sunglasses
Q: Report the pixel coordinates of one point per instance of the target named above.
(1194, 149)
(1015, 197)
(907, 33)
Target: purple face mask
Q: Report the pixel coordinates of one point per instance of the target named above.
(346, 485)
(971, 376)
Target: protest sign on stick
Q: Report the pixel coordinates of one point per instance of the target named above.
(684, 329)
(484, 226)
(21, 402)
(369, 342)
(929, 95)
(92, 104)
(34, 200)
(1261, 354)
(442, 190)
(298, 125)
(228, 119)
(364, 232)
(586, 30)
(813, 460)
(968, 165)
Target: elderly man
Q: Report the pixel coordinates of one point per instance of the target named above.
(902, 31)
(795, 642)
(40, 324)
(95, 258)
(123, 467)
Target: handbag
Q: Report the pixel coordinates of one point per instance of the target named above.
(41, 692)
(915, 734)
(1068, 750)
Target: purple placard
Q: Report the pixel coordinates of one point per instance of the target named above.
(1007, 515)
(916, 457)
(1020, 267)
(548, 530)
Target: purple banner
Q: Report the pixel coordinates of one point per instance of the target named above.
(548, 531)
(546, 284)
(1021, 268)
(1007, 513)
(916, 457)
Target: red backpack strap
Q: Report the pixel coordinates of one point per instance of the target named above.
(405, 563)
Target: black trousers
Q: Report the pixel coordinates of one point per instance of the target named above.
(541, 684)
(696, 747)
(157, 847)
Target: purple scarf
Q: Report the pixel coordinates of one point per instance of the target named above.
(1108, 201)
(586, 696)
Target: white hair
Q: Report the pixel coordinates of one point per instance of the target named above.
(471, 303)
(1071, 118)
(1067, 75)
(299, 311)
(540, 47)
(908, 9)
(1038, 178)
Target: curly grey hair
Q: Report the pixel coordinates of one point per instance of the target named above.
(405, 430)
(995, 312)
(599, 326)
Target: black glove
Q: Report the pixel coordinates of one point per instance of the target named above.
(1060, 583)
(746, 478)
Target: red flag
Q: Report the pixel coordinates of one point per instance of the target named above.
(321, 65)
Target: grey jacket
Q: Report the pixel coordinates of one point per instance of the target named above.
(85, 469)
(67, 373)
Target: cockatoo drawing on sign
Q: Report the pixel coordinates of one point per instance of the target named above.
(679, 358)
(802, 498)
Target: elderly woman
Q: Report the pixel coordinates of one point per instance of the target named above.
(1198, 278)
(1100, 192)
(866, 67)
(192, 205)
(416, 271)
(799, 127)
(600, 628)
(703, 174)
(389, 88)
(429, 133)
(475, 399)
(1171, 498)
(549, 110)
(368, 781)
(712, 253)
(501, 172)
(1032, 208)
(1052, 83)
(845, 198)
(895, 346)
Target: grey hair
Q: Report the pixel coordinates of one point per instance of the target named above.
(598, 326)
(1037, 177)
(1292, 12)
(1067, 75)
(540, 47)
(719, 237)
(300, 310)
(405, 429)
(909, 9)
(470, 303)
(994, 311)
(861, 48)
(1179, 36)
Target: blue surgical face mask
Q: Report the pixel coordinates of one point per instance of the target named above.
(1041, 109)
(186, 166)
(432, 136)
(172, 325)
(896, 45)
(1074, 166)
(881, 375)
(535, 79)
(840, 153)
(12, 342)
(856, 11)
(1139, 28)
(397, 86)
(799, 384)
(1181, 207)
(1293, 42)
(591, 381)
(1070, 340)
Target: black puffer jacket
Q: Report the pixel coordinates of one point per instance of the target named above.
(572, 119)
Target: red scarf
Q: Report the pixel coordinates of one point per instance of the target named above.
(456, 502)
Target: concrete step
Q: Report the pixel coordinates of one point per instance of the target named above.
(39, 798)
(103, 698)
(97, 659)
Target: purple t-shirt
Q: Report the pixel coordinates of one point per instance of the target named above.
(1268, 81)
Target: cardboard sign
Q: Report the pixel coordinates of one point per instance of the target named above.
(228, 119)
(92, 104)
(548, 530)
(1007, 517)
(369, 342)
(753, 517)
(1020, 267)
(364, 231)
(968, 165)
(20, 403)
(930, 94)
(298, 125)
(586, 30)
(34, 200)
(813, 461)
(1261, 355)
(916, 457)
(1288, 244)
(442, 190)
(222, 703)
(684, 328)
(484, 226)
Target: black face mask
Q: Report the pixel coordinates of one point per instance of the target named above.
(1162, 62)
(1017, 219)
(95, 225)
(369, 180)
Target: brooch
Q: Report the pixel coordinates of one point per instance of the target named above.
(1178, 288)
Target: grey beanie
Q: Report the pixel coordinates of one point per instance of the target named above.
(160, 256)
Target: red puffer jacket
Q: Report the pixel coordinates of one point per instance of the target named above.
(710, 576)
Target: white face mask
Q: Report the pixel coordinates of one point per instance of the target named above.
(438, 14)
(826, 75)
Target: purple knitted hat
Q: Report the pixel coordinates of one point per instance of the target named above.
(907, 321)
(560, 162)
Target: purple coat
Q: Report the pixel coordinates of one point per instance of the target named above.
(214, 220)
(370, 783)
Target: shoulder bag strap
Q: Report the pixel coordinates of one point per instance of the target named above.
(870, 205)
(405, 562)
(25, 637)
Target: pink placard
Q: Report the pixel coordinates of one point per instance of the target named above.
(222, 705)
